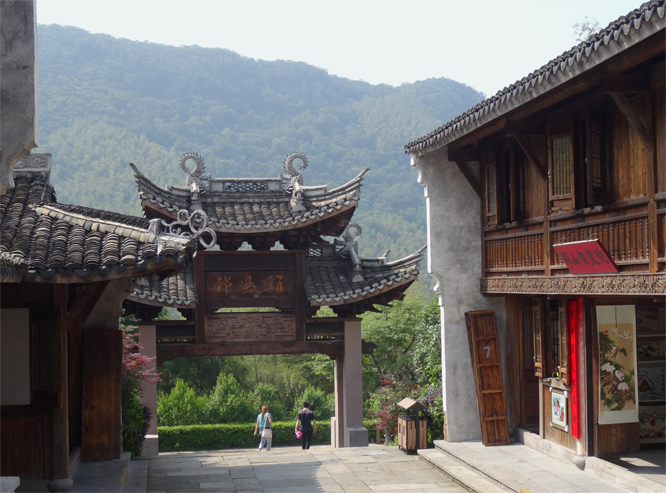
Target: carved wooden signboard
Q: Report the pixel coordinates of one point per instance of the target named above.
(250, 280)
(484, 348)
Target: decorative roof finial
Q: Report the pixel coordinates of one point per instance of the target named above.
(195, 179)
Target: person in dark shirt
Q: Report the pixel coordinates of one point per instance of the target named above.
(306, 423)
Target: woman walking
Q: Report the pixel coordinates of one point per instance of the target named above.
(264, 426)
(306, 423)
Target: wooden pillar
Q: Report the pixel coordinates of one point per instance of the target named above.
(61, 481)
(102, 374)
(102, 371)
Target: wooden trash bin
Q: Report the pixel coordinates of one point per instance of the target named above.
(409, 434)
(412, 429)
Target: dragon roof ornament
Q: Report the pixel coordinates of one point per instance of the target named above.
(196, 180)
(349, 246)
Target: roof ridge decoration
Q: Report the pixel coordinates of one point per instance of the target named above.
(349, 246)
(581, 57)
(196, 180)
(294, 179)
(197, 222)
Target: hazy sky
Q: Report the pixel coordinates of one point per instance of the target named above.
(487, 44)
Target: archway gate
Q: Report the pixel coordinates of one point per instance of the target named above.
(265, 301)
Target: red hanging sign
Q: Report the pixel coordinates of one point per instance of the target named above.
(575, 333)
(586, 257)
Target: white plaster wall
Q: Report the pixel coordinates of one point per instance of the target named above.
(454, 259)
(14, 357)
(18, 80)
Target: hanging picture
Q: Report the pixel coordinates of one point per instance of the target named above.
(618, 391)
(558, 409)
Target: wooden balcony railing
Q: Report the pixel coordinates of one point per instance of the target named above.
(517, 251)
(625, 237)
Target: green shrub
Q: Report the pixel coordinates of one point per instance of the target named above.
(233, 435)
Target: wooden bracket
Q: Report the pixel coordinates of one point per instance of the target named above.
(632, 117)
(531, 155)
(471, 179)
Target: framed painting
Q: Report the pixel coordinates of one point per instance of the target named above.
(558, 409)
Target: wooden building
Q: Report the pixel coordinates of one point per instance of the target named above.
(547, 208)
(64, 273)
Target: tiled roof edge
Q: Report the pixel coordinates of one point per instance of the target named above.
(545, 78)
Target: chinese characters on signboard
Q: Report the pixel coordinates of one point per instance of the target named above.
(242, 284)
(585, 257)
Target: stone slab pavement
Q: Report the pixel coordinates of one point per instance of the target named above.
(375, 468)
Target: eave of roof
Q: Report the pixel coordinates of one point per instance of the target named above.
(252, 212)
(620, 35)
(43, 241)
(329, 281)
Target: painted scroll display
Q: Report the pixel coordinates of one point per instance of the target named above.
(617, 364)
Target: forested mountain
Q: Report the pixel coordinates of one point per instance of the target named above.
(106, 102)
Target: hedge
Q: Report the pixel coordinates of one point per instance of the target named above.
(236, 435)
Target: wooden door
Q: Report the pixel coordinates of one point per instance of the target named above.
(484, 348)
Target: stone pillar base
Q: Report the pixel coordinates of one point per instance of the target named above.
(151, 446)
(356, 437)
(60, 484)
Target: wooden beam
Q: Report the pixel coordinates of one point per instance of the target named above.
(169, 351)
(632, 117)
(87, 297)
(531, 155)
(463, 154)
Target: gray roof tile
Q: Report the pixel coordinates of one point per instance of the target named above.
(622, 32)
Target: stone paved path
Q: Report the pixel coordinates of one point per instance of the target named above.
(290, 470)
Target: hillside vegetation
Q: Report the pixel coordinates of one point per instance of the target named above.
(106, 102)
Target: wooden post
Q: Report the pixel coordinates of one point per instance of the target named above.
(60, 417)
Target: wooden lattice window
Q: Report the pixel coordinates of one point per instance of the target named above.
(559, 340)
(562, 166)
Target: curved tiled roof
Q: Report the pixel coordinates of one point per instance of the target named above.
(41, 240)
(177, 290)
(331, 279)
(252, 205)
(622, 34)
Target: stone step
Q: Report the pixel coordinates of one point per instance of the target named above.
(460, 473)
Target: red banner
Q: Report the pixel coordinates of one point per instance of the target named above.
(585, 257)
(575, 334)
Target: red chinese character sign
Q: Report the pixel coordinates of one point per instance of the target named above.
(586, 257)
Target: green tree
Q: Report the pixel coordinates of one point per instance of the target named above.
(229, 403)
(181, 406)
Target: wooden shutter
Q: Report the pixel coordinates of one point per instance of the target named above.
(561, 169)
(488, 381)
(594, 192)
(537, 327)
(491, 189)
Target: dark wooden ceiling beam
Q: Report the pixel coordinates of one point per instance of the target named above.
(531, 155)
(169, 351)
(632, 117)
